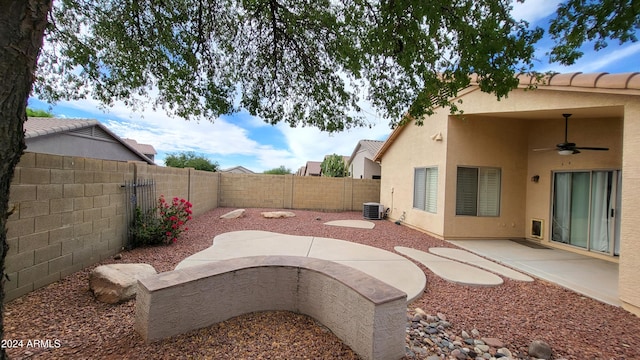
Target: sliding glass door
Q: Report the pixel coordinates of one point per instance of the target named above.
(584, 210)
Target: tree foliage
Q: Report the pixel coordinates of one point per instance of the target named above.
(38, 113)
(282, 170)
(578, 21)
(334, 166)
(300, 62)
(191, 160)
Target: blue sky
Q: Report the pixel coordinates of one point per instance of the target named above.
(241, 139)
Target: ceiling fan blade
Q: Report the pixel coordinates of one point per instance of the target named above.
(545, 149)
(592, 148)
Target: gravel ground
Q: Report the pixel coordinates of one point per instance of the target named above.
(79, 327)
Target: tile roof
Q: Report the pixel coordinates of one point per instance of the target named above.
(370, 146)
(143, 148)
(601, 80)
(622, 83)
(238, 170)
(313, 168)
(40, 126)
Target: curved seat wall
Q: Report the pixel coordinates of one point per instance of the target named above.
(365, 313)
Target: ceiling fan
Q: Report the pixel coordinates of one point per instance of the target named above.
(567, 148)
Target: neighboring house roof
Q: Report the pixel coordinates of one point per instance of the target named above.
(588, 82)
(370, 147)
(238, 170)
(313, 168)
(143, 148)
(36, 127)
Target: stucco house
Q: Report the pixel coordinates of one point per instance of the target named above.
(80, 137)
(146, 149)
(238, 170)
(510, 169)
(361, 164)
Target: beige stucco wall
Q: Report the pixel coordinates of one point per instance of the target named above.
(503, 133)
(487, 142)
(629, 281)
(414, 148)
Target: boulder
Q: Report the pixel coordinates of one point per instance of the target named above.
(277, 214)
(540, 350)
(233, 214)
(116, 283)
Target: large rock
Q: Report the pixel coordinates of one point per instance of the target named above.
(277, 214)
(233, 214)
(116, 283)
(540, 350)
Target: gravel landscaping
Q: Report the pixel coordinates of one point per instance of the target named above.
(68, 323)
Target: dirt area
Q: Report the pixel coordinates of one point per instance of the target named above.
(79, 327)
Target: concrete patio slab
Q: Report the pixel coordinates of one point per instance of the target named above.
(359, 224)
(386, 266)
(450, 270)
(333, 249)
(475, 260)
(594, 278)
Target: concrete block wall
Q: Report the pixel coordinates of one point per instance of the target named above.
(296, 192)
(253, 190)
(203, 190)
(67, 214)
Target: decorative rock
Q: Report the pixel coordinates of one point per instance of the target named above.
(505, 352)
(540, 349)
(233, 214)
(421, 312)
(277, 214)
(117, 282)
(429, 333)
(493, 342)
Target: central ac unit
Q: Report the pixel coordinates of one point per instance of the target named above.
(373, 211)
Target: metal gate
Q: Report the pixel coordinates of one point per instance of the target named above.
(141, 195)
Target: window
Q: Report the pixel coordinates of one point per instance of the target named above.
(478, 191)
(425, 189)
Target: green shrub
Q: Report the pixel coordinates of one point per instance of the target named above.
(162, 224)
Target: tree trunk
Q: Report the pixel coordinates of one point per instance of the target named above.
(22, 24)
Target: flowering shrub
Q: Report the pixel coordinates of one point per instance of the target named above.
(162, 224)
(173, 218)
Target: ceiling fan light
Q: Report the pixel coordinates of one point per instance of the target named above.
(565, 152)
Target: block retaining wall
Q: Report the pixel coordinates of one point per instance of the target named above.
(69, 212)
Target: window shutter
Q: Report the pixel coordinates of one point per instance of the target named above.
(419, 183)
(467, 191)
(489, 192)
(431, 190)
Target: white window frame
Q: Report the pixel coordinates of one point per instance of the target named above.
(425, 189)
(478, 194)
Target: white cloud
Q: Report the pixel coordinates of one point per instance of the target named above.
(534, 10)
(605, 61)
(310, 144)
(167, 134)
